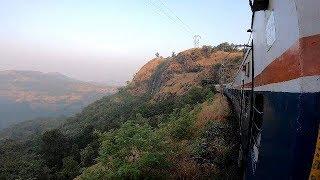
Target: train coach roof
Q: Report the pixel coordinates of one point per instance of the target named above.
(259, 5)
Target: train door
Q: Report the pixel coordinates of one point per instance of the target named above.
(245, 106)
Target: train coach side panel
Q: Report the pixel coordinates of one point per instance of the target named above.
(289, 134)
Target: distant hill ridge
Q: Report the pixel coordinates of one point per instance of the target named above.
(31, 94)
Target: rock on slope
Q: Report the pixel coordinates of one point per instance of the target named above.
(165, 77)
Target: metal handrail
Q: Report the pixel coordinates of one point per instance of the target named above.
(257, 110)
(259, 129)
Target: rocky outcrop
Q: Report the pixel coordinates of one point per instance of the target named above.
(165, 77)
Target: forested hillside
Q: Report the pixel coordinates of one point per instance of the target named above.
(31, 128)
(166, 123)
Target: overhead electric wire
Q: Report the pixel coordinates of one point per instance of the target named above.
(158, 6)
(172, 12)
(185, 25)
(175, 19)
(157, 9)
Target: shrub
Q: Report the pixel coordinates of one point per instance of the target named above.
(214, 109)
(207, 50)
(54, 147)
(87, 156)
(196, 95)
(96, 172)
(133, 151)
(181, 125)
(70, 168)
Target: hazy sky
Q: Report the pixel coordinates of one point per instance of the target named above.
(109, 40)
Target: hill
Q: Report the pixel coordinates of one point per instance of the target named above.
(160, 81)
(168, 123)
(165, 77)
(27, 95)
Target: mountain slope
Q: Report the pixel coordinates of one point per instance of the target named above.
(26, 95)
(175, 75)
(159, 83)
(166, 124)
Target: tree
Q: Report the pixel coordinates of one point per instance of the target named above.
(54, 147)
(196, 95)
(181, 125)
(207, 50)
(70, 168)
(87, 156)
(75, 152)
(85, 137)
(226, 47)
(19, 161)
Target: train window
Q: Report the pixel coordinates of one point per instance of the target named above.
(244, 68)
(270, 29)
(247, 71)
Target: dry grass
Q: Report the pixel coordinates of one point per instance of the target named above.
(190, 169)
(140, 81)
(179, 84)
(315, 172)
(218, 57)
(147, 70)
(183, 71)
(188, 69)
(187, 169)
(217, 110)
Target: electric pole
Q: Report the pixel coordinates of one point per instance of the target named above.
(196, 40)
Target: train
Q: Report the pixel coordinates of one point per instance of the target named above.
(276, 91)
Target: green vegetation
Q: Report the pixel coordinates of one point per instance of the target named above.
(133, 151)
(30, 129)
(126, 136)
(137, 139)
(171, 148)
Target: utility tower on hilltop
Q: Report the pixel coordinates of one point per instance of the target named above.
(196, 40)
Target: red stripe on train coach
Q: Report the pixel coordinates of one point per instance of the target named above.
(300, 60)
